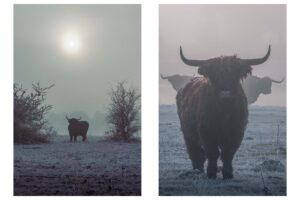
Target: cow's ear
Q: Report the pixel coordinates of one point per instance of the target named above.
(245, 71)
(202, 71)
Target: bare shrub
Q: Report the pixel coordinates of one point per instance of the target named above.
(30, 125)
(123, 112)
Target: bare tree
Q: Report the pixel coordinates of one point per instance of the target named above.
(123, 112)
(30, 125)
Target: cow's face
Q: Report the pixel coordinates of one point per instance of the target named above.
(73, 121)
(224, 73)
(266, 85)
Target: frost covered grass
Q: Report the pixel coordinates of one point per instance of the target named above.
(254, 170)
(96, 167)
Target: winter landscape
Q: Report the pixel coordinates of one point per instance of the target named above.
(77, 100)
(96, 167)
(259, 165)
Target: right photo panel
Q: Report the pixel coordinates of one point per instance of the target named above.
(222, 101)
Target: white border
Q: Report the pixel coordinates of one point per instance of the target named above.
(149, 91)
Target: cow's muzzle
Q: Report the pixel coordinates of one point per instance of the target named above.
(225, 94)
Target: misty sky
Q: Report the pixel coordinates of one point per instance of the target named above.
(109, 37)
(208, 31)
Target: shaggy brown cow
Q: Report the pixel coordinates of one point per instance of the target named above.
(213, 111)
(77, 128)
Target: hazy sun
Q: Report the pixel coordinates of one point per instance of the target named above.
(71, 43)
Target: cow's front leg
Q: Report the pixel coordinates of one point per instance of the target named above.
(75, 138)
(227, 155)
(196, 153)
(71, 138)
(212, 153)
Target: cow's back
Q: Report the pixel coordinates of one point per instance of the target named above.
(84, 126)
(79, 128)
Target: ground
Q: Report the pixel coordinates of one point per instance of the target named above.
(259, 165)
(95, 167)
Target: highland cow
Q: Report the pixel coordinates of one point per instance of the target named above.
(77, 128)
(254, 86)
(213, 111)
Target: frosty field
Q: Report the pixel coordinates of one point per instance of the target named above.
(259, 165)
(96, 167)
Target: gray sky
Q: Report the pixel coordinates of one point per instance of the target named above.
(107, 48)
(208, 31)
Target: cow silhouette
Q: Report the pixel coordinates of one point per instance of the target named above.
(77, 128)
(255, 86)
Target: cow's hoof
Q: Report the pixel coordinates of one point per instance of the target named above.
(227, 176)
(200, 169)
(212, 175)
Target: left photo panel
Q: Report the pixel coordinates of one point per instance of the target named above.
(77, 100)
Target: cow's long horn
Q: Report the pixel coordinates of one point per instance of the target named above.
(196, 63)
(163, 77)
(274, 81)
(256, 61)
(79, 118)
(67, 118)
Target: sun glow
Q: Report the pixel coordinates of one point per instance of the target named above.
(71, 43)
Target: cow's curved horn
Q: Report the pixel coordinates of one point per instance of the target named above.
(274, 81)
(256, 61)
(67, 118)
(163, 77)
(79, 118)
(195, 63)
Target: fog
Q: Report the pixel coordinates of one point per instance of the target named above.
(110, 51)
(208, 31)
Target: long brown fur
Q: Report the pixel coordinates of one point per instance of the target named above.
(213, 124)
